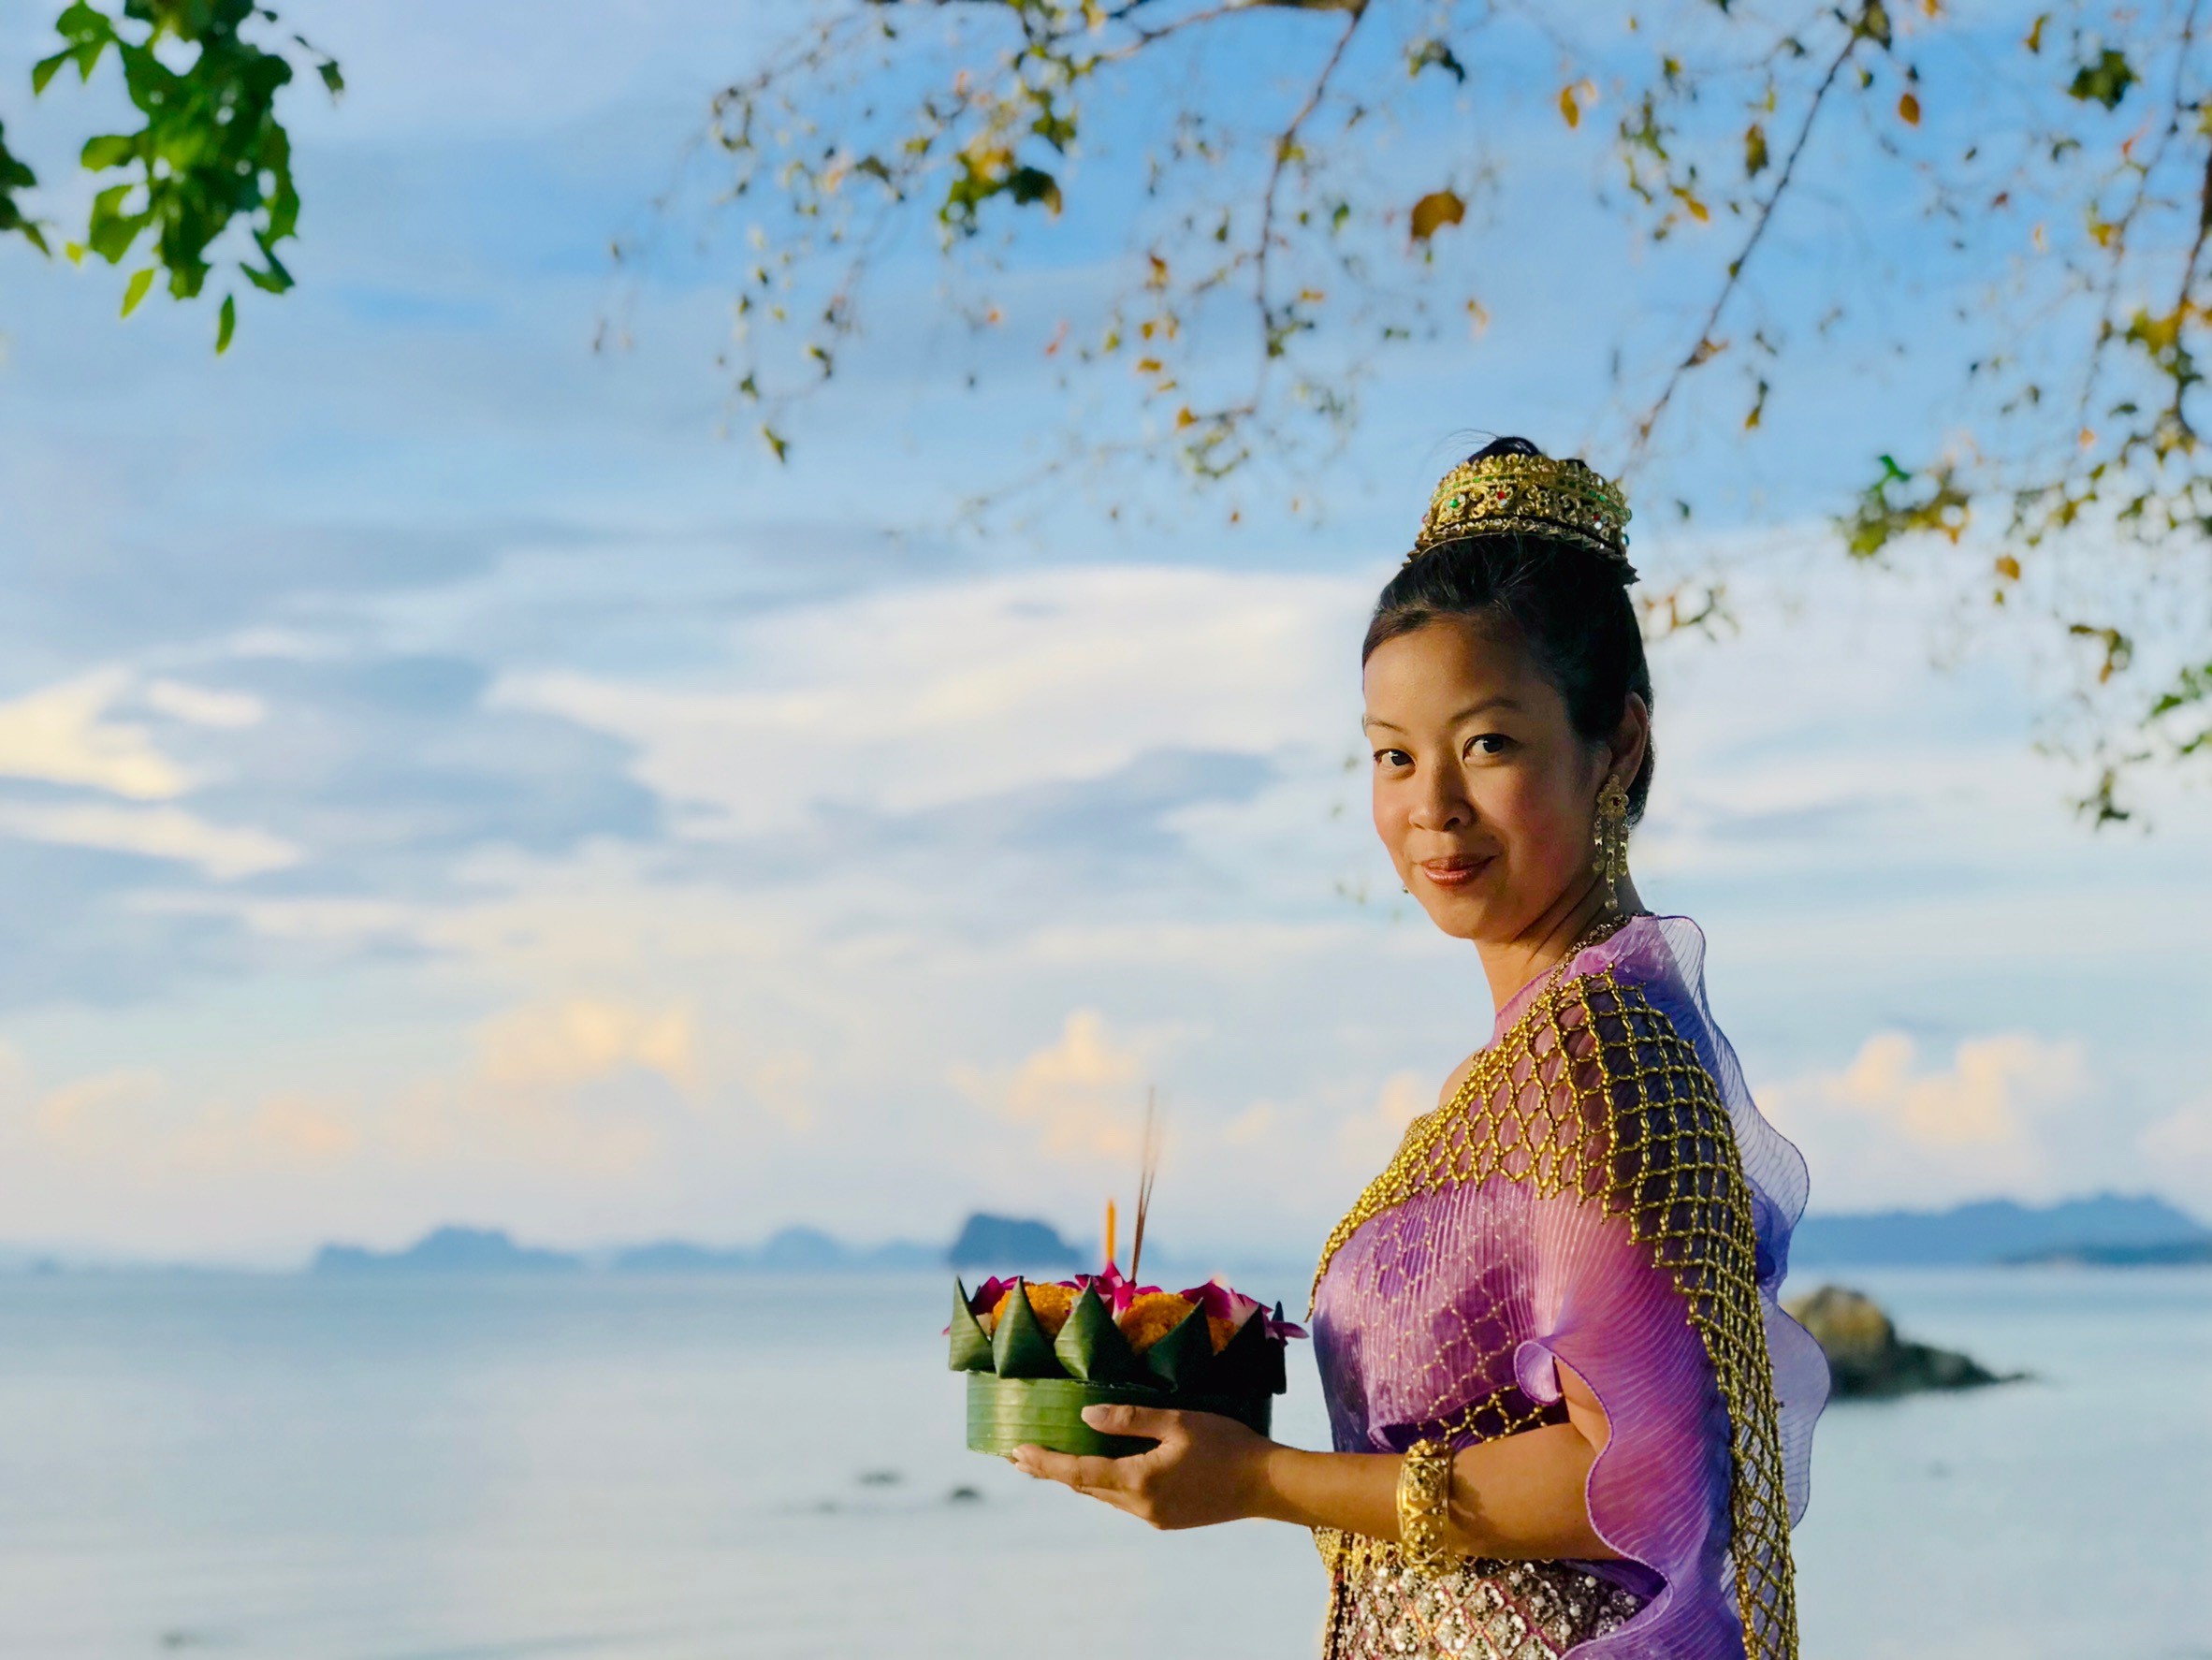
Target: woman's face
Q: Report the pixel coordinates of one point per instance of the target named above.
(1484, 793)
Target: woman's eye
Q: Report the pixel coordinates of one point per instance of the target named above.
(1488, 743)
(1392, 758)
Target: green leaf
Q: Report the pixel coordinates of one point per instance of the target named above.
(1185, 1356)
(2105, 80)
(971, 1344)
(1435, 55)
(1004, 1413)
(328, 69)
(135, 290)
(1252, 1361)
(226, 324)
(45, 69)
(1091, 1346)
(108, 149)
(1029, 186)
(1019, 1347)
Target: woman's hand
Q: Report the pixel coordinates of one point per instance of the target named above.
(1207, 1468)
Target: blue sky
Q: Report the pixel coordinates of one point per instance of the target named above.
(442, 779)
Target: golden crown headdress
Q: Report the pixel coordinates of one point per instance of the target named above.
(1565, 499)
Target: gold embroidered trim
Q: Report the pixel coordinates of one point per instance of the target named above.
(1592, 1091)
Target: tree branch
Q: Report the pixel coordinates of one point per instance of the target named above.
(1700, 348)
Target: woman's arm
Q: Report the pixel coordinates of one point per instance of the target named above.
(1516, 1497)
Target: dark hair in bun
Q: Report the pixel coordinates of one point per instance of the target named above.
(1568, 604)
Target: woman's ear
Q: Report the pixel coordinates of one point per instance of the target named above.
(1631, 737)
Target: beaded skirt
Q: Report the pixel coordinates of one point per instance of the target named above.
(1477, 1609)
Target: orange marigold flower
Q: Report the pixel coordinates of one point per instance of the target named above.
(1221, 1331)
(1152, 1316)
(1051, 1305)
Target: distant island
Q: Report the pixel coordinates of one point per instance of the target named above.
(790, 1250)
(997, 1242)
(2102, 1231)
(2107, 1229)
(447, 1250)
(2179, 1253)
(1009, 1242)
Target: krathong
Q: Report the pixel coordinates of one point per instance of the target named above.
(1037, 1354)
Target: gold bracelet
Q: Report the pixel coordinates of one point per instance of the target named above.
(1425, 1503)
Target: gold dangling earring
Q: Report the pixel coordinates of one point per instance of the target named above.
(1609, 835)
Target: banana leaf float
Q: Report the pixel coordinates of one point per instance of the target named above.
(1037, 1354)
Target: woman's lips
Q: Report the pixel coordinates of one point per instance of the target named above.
(1451, 873)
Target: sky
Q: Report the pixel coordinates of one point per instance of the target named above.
(444, 778)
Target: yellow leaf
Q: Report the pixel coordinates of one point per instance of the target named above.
(1569, 108)
(1149, 366)
(1435, 210)
(1699, 211)
(1909, 108)
(2008, 567)
(1184, 418)
(2034, 40)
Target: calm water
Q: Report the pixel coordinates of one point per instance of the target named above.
(675, 1470)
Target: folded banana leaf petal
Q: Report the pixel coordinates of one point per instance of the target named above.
(970, 1343)
(1251, 1364)
(1184, 1359)
(1019, 1347)
(1091, 1346)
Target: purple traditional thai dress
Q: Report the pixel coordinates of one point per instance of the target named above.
(1601, 1192)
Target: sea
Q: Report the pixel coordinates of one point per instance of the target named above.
(606, 1468)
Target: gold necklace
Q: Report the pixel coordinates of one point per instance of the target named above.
(1597, 932)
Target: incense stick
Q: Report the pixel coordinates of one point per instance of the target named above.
(1144, 1177)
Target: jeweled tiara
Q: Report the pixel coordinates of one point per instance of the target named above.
(1535, 494)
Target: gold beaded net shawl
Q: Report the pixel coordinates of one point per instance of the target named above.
(1600, 1192)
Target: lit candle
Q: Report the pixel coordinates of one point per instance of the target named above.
(1110, 1234)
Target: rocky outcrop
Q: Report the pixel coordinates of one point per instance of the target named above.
(997, 1242)
(1867, 1357)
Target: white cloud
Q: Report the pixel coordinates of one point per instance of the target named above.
(1884, 1129)
(2178, 1148)
(1081, 1096)
(1365, 1141)
(62, 735)
(904, 700)
(582, 1040)
(200, 706)
(225, 852)
(128, 1123)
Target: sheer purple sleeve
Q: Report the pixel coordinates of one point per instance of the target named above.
(1602, 1194)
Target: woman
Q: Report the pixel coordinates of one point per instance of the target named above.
(1568, 1413)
